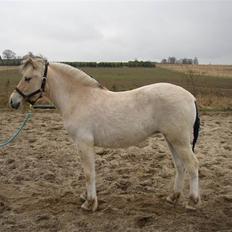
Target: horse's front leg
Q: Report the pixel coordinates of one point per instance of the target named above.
(87, 154)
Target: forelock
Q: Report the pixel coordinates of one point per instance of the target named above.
(32, 61)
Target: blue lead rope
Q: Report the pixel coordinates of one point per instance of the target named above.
(13, 137)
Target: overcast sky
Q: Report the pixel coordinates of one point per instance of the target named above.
(118, 30)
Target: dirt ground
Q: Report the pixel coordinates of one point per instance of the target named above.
(41, 180)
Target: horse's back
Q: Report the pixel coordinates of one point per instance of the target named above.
(167, 91)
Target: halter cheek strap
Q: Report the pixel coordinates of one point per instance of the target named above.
(41, 90)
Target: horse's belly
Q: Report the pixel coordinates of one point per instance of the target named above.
(122, 138)
(112, 142)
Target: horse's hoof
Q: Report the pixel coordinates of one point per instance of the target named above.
(173, 199)
(83, 196)
(90, 205)
(193, 203)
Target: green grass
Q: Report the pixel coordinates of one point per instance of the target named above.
(8, 81)
(207, 88)
(129, 78)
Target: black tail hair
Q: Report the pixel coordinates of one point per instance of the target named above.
(196, 128)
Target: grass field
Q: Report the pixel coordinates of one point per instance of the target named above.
(202, 70)
(212, 91)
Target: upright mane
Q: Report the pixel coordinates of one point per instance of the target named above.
(78, 74)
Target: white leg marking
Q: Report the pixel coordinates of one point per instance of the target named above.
(88, 163)
(191, 164)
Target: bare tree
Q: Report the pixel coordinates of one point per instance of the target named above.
(8, 54)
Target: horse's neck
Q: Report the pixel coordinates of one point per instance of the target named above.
(60, 90)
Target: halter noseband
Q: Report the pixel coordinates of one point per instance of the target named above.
(40, 90)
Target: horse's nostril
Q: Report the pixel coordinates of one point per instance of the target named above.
(14, 105)
(11, 103)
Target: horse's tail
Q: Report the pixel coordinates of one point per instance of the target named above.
(196, 128)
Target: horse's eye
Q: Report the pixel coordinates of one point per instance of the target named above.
(27, 79)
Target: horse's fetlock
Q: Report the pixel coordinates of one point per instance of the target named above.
(194, 199)
(173, 198)
(83, 196)
(90, 205)
(193, 203)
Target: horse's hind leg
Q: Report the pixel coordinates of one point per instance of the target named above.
(186, 155)
(179, 178)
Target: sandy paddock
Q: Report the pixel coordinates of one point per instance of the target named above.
(41, 180)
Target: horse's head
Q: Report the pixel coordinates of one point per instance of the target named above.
(32, 85)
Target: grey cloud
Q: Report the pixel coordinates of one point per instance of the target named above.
(105, 30)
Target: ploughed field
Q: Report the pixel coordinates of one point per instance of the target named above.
(41, 180)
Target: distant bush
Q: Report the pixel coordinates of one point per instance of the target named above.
(134, 63)
(10, 62)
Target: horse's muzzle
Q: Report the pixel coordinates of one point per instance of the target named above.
(14, 105)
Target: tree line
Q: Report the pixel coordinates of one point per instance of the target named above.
(9, 58)
(135, 63)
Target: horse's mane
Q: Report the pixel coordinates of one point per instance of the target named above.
(77, 74)
(37, 62)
